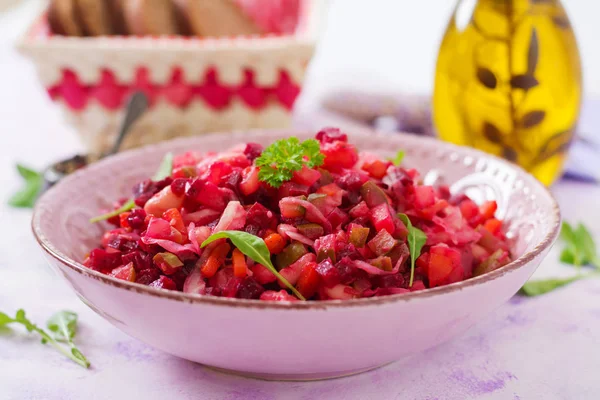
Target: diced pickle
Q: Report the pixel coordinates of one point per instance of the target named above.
(358, 236)
(290, 254)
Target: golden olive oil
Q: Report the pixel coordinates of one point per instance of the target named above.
(508, 81)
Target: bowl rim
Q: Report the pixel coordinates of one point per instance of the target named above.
(544, 244)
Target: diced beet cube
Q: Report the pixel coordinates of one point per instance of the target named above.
(351, 179)
(360, 210)
(381, 218)
(262, 274)
(208, 194)
(178, 186)
(292, 189)
(104, 260)
(387, 281)
(164, 283)
(347, 271)
(424, 196)
(469, 209)
(216, 171)
(137, 219)
(329, 273)
(382, 243)
(261, 217)
(306, 176)
(338, 218)
(339, 155)
(249, 289)
(232, 287)
(141, 260)
(253, 151)
(329, 135)
(147, 276)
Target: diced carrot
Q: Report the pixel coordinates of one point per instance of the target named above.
(123, 220)
(240, 267)
(488, 209)
(308, 282)
(493, 225)
(215, 260)
(440, 267)
(275, 243)
(174, 217)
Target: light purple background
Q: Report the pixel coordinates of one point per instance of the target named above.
(543, 348)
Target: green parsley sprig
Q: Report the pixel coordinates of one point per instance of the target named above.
(280, 160)
(579, 250)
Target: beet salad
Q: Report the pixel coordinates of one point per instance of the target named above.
(297, 220)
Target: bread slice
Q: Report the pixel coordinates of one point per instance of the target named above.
(150, 17)
(116, 11)
(94, 15)
(62, 18)
(216, 18)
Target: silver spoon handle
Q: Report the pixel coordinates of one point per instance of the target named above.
(137, 105)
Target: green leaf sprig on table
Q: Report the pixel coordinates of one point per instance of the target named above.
(164, 170)
(255, 248)
(63, 327)
(416, 240)
(280, 160)
(579, 250)
(26, 196)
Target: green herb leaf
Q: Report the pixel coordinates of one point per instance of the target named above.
(398, 159)
(63, 324)
(5, 319)
(539, 287)
(416, 240)
(27, 195)
(125, 207)
(166, 168)
(64, 321)
(587, 245)
(580, 248)
(255, 248)
(279, 160)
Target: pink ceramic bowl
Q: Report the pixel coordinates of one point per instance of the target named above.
(309, 340)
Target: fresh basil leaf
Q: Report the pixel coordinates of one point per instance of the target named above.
(567, 256)
(586, 245)
(63, 324)
(166, 168)
(27, 173)
(78, 355)
(253, 247)
(27, 195)
(539, 287)
(5, 319)
(125, 207)
(399, 157)
(416, 240)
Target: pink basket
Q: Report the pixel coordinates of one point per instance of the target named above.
(195, 85)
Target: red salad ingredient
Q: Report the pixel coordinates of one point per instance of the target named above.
(330, 217)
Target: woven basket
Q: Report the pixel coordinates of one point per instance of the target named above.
(195, 85)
